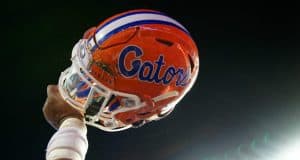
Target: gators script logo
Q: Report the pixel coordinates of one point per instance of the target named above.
(150, 71)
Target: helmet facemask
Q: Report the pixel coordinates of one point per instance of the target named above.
(83, 92)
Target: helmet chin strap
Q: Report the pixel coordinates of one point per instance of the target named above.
(153, 100)
(165, 96)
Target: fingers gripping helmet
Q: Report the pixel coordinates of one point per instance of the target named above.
(131, 69)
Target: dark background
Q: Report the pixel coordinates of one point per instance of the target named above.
(246, 97)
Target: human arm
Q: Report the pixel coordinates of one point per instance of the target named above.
(70, 141)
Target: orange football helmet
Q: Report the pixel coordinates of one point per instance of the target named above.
(131, 69)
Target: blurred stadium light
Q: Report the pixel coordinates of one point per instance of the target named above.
(264, 149)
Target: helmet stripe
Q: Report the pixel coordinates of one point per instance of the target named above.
(132, 19)
(126, 15)
(119, 17)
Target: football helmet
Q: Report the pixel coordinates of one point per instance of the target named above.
(131, 69)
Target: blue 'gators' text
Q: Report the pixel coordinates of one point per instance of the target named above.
(150, 71)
